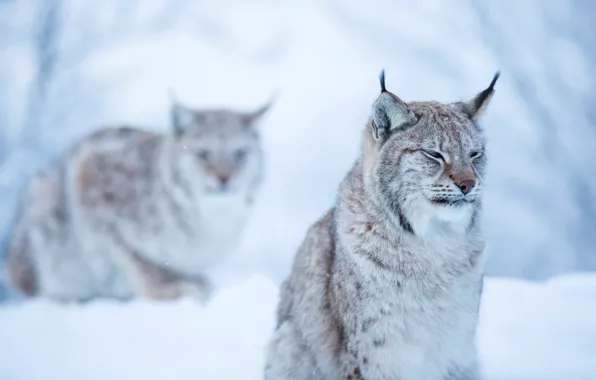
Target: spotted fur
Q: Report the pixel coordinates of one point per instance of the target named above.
(126, 212)
(386, 286)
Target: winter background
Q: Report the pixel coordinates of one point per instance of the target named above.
(70, 66)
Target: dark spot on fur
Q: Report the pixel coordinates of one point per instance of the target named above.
(108, 197)
(378, 262)
(392, 200)
(356, 375)
(474, 258)
(353, 351)
(367, 324)
(473, 219)
(59, 214)
(379, 342)
(404, 222)
(368, 227)
(342, 343)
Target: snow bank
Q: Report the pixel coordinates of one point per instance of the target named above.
(146, 340)
(539, 331)
(528, 331)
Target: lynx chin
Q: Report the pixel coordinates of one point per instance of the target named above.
(126, 212)
(387, 284)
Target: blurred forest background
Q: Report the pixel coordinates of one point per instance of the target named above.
(70, 66)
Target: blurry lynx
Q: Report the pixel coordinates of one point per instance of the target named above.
(387, 285)
(126, 212)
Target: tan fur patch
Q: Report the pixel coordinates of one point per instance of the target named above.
(21, 270)
(160, 282)
(86, 173)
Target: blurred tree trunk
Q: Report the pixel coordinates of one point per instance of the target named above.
(45, 45)
(18, 158)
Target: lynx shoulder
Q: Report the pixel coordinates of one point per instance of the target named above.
(126, 212)
(387, 284)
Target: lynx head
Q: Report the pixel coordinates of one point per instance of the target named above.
(218, 151)
(424, 161)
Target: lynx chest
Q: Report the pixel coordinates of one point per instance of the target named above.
(195, 237)
(413, 328)
(221, 220)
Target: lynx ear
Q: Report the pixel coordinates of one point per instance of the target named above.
(476, 107)
(182, 118)
(252, 119)
(390, 113)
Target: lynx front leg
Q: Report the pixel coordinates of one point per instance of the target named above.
(162, 283)
(171, 285)
(288, 357)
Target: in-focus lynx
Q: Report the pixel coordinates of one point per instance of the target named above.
(387, 285)
(126, 212)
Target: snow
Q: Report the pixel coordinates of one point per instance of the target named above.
(145, 340)
(528, 331)
(539, 331)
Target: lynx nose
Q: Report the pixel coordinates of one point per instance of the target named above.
(465, 180)
(466, 185)
(223, 177)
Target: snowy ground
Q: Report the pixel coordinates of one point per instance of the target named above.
(528, 331)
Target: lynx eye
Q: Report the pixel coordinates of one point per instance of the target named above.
(475, 155)
(434, 155)
(204, 155)
(240, 155)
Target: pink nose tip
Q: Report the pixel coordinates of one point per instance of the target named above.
(466, 185)
(223, 178)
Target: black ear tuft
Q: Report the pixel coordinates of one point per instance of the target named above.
(496, 77)
(481, 99)
(382, 80)
(476, 107)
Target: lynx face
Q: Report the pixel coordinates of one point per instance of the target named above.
(430, 160)
(219, 151)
